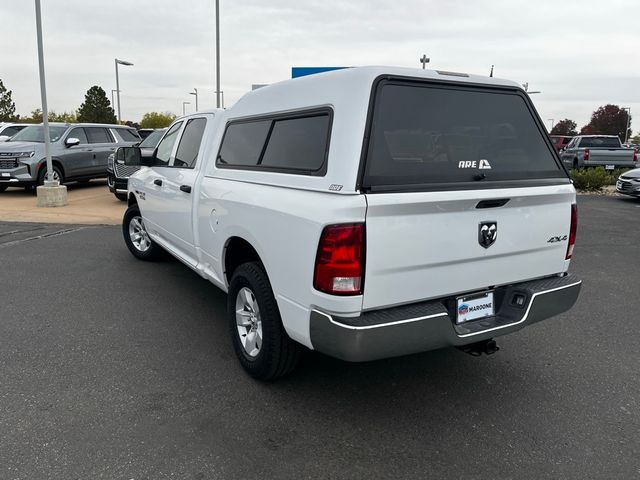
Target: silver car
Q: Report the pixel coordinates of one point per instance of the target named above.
(79, 152)
(629, 183)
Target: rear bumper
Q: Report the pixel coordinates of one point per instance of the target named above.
(431, 325)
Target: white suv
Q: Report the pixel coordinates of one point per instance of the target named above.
(365, 213)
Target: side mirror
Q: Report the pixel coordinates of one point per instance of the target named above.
(72, 142)
(131, 156)
(4, 138)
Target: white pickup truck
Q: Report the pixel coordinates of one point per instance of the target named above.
(365, 213)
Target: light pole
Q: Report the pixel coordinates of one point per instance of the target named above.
(552, 122)
(218, 53)
(183, 105)
(121, 62)
(424, 60)
(195, 92)
(51, 194)
(113, 104)
(221, 93)
(626, 132)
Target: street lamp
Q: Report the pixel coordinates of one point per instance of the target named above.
(626, 132)
(128, 64)
(195, 92)
(183, 105)
(552, 122)
(526, 89)
(424, 60)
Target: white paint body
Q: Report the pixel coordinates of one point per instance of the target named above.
(420, 245)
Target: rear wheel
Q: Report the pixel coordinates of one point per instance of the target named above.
(262, 345)
(575, 163)
(136, 236)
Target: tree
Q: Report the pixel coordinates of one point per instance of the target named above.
(635, 139)
(7, 105)
(96, 107)
(36, 117)
(157, 120)
(565, 127)
(608, 120)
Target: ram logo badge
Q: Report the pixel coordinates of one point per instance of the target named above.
(487, 233)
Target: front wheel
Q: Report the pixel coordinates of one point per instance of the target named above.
(42, 175)
(121, 196)
(136, 236)
(263, 347)
(3, 187)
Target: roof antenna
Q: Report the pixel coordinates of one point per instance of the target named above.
(491, 73)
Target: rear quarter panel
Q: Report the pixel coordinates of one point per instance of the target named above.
(284, 226)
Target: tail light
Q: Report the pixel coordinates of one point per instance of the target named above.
(339, 268)
(572, 232)
(585, 157)
(635, 156)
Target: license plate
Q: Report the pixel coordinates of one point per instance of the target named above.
(473, 307)
(609, 167)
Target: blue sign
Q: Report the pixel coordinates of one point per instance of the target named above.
(304, 71)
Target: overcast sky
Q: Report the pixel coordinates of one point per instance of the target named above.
(579, 54)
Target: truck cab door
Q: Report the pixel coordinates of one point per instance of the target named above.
(177, 219)
(151, 195)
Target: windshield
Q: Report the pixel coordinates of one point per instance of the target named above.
(430, 134)
(36, 134)
(153, 139)
(604, 142)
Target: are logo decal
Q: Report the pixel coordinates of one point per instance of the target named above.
(463, 309)
(482, 164)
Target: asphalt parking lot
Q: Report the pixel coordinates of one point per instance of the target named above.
(119, 369)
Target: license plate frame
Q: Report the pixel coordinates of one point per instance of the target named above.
(475, 306)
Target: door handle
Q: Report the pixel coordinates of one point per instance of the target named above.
(157, 182)
(185, 188)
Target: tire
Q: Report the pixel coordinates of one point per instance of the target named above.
(42, 174)
(275, 354)
(3, 188)
(136, 237)
(575, 163)
(121, 196)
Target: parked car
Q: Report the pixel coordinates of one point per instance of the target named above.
(79, 152)
(145, 132)
(118, 172)
(8, 130)
(365, 213)
(629, 183)
(560, 141)
(598, 150)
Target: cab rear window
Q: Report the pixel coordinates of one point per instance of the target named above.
(430, 135)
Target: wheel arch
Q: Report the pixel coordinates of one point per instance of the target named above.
(237, 251)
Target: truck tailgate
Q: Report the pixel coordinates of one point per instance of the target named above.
(617, 157)
(423, 245)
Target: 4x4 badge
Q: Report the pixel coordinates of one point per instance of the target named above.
(487, 233)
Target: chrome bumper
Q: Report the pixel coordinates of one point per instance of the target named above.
(431, 325)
